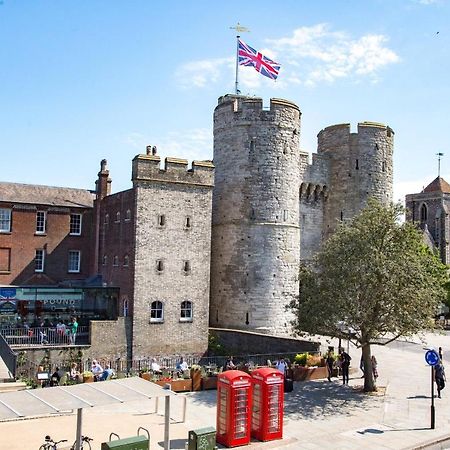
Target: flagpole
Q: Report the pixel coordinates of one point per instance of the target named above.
(236, 84)
(238, 29)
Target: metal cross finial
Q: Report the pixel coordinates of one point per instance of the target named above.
(439, 155)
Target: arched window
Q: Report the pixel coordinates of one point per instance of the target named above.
(423, 213)
(157, 311)
(116, 261)
(186, 311)
(106, 219)
(125, 307)
(117, 216)
(126, 261)
(105, 260)
(128, 215)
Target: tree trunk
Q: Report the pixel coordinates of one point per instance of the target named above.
(369, 383)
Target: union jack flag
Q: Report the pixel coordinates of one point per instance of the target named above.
(248, 56)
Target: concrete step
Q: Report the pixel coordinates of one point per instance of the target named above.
(12, 386)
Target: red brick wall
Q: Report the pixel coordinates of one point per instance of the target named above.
(23, 242)
(117, 239)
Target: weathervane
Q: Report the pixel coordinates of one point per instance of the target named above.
(439, 155)
(239, 29)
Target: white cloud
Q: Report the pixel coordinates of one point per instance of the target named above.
(325, 55)
(310, 55)
(201, 73)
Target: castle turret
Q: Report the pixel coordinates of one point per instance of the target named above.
(361, 166)
(256, 238)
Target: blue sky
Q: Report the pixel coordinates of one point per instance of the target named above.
(85, 80)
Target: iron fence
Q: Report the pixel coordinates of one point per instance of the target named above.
(44, 337)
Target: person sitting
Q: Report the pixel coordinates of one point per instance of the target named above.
(155, 367)
(229, 365)
(181, 366)
(55, 379)
(74, 373)
(106, 374)
(96, 369)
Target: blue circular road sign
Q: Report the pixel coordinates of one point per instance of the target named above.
(431, 357)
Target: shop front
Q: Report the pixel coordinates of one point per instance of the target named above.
(34, 306)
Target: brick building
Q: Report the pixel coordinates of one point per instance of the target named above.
(46, 234)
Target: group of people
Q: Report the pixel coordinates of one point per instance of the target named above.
(343, 364)
(100, 373)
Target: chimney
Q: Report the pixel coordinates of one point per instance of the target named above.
(103, 183)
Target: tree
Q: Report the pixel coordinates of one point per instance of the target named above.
(376, 276)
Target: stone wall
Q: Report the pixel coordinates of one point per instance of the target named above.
(172, 262)
(240, 342)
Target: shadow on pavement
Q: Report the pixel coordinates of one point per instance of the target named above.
(312, 399)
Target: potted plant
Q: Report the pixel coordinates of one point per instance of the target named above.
(308, 367)
(88, 376)
(145, 374)
(209, 381)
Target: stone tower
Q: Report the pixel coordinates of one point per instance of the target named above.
(430, 210)
(360, 166)
(255, 224)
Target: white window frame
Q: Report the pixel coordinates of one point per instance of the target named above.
(73, 223)
(70, 267)
(5, 220)
(115, 261)
(41, 222)
(118, 217)
(39, 261)
(126, 261)
(157, 309)
(105, 260)
(128, 215)
(186, 306)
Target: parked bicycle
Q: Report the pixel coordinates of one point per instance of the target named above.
(50, 444)
(85, 443)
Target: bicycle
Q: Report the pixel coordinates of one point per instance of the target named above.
(50, 444)
(84, 440)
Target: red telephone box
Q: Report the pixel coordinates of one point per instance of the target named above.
(234, 397)
(267, 404)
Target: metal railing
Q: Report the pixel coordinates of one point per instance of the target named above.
(44, 337)
(9, 356)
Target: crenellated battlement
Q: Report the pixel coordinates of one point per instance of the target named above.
(146, 168)
(342, 130)
(250, 109)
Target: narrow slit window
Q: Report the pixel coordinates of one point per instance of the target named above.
(159, 265)
(161, 220)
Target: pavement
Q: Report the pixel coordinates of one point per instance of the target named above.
(317, 415)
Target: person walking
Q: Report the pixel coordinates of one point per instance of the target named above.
(439, 377)
(330, 363)
(345, 359)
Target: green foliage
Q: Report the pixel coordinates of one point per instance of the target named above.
(301, 358)
(374, 278)
(215, 347)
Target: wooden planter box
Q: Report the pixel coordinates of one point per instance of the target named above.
(300, 373)
(196, 376)
(209, 383)
(146, 376)
(181, 385)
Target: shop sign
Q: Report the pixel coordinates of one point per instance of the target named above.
(7, 293)
(7, 307)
